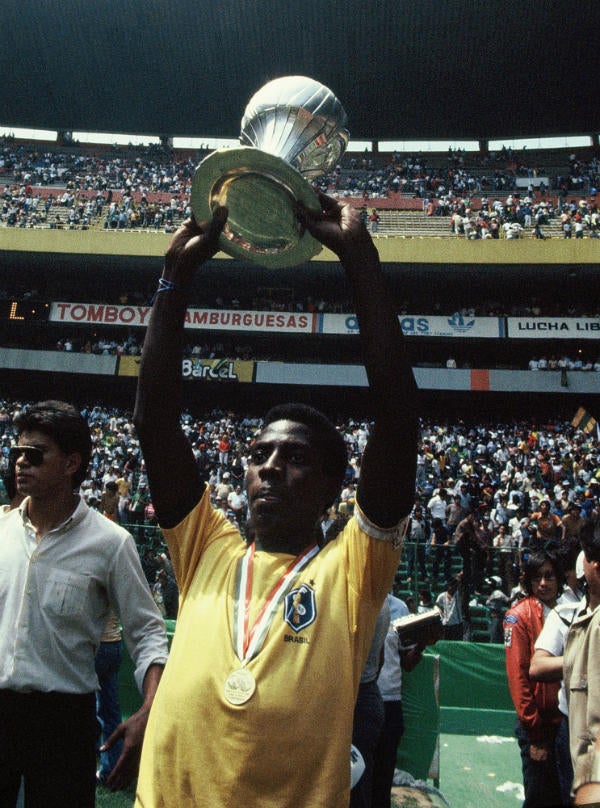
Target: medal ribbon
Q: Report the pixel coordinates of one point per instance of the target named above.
(247, 641)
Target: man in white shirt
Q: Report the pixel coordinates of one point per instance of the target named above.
(438, 504)
(62, 565)
(238, 502)
(449, 604)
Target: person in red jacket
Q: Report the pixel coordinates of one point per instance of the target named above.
(536, 703)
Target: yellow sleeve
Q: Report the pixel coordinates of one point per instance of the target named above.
(188, 540)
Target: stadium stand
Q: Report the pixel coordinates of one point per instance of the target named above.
(149, 188)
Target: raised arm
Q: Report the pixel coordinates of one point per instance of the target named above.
(387, 479)
(172, 473)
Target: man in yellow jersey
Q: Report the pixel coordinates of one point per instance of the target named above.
(256, 703)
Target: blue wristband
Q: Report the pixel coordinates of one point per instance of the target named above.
(165, 285)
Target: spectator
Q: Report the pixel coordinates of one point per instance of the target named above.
(374, 219)
(397, 659)
(417, 538)
(471, 543)
(572, 522)
(497, 604)
(62, 565)
(547, 525)
(505, 554)
(109, 501)
(536, 703)
(449, 604)
(238, 502)
(369, 715)
(439, 544)
(547, 661)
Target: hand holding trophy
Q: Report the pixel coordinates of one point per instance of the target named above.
(293, 129)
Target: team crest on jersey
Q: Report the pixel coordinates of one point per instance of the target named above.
(300, 608)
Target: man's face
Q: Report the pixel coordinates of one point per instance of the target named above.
(286, 486)
(544, 584)
(53, 475)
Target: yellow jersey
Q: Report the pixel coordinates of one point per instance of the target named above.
(288, 745)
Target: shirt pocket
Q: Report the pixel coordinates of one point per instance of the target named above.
(65, 594)
(578, 684)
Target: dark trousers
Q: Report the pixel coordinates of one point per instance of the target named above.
(453, 631)
(416, 553)
(368, 720)
(540, 780)
(506, 569)
(563, 760)
(385, 754)
(497, 628)
(49, 739)
(441, 555)
(474, 561)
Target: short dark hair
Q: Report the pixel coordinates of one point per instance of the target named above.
(535, 562)
(590, 544)
(569, 553)
(64, 424)
(334, 455)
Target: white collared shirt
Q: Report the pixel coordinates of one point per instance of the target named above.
(55, 596)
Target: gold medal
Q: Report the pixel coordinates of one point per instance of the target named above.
(239, 686)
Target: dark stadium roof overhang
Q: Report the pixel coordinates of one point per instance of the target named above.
(403, 70)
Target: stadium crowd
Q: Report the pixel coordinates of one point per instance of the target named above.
(460, 175)
(486, 495)
(160, 168)
(147, 168)
(510, 217)
(153, 185)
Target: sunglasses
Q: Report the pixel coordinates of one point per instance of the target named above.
(33, 454)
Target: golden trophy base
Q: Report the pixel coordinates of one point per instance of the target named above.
(260, 191)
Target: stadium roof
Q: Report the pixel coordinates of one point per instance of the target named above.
(403, 70)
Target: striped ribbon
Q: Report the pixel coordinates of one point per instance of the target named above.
(247, 641)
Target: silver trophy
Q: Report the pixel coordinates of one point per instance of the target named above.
(293, 129)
